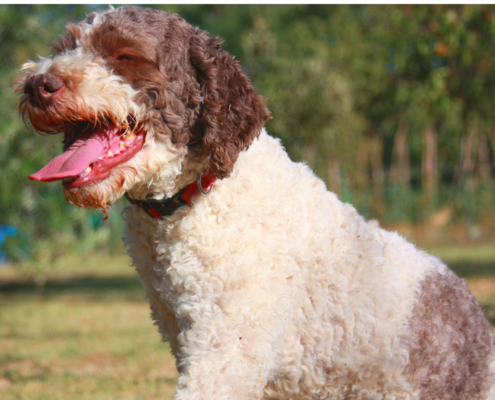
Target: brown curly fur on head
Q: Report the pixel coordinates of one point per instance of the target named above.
(200, 90)
(233, 114)
(73, 32)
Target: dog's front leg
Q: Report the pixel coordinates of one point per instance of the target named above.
(225, 357)
(219, 375)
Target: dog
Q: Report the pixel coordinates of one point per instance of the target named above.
(265, 284)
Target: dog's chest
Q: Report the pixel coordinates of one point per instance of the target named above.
(163, 259)
(169, 259)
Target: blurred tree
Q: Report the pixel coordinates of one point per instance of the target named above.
(391, 105)
(47, 226)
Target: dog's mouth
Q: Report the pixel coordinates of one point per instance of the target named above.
(92, 154)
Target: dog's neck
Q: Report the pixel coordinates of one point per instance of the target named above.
(165, 170)
(159, 209)
(174, 184)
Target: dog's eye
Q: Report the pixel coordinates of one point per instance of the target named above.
(125, 57)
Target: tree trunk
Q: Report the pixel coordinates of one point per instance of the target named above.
(484, 169)
(429, 167)
(334, 176)
(491, 139)
(466, 163)
(362, 167)
(400, 170)
(378, 175)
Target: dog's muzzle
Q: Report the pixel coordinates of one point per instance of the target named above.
(42, 89)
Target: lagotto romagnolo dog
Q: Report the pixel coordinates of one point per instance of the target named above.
(264, 283)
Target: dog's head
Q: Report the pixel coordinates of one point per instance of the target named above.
(146, 103)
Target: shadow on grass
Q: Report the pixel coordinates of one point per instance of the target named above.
(113, 288)
(128, 288)
(473, 269)
(478, 269)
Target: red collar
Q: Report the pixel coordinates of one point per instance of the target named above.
(163, 208)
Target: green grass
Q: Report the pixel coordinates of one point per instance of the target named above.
(88, 333)
(473, 261)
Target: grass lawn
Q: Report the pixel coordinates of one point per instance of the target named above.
(88, 335)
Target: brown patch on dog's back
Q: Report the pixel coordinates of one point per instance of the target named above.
(452, 345)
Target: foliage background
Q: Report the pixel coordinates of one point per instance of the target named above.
(390, 105)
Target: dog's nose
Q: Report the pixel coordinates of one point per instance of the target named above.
(41, 88)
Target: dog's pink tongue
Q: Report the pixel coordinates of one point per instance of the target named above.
(73, 161)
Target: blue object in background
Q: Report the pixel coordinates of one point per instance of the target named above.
(6, 231)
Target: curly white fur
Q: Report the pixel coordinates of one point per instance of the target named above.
(271, 287)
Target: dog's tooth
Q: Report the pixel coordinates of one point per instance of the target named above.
(88, 170)
(129, 137)
(110, 153)
(121, 144)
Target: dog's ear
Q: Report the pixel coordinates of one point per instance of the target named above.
(232, 114)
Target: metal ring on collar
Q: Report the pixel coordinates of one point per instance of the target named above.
(200, 186)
